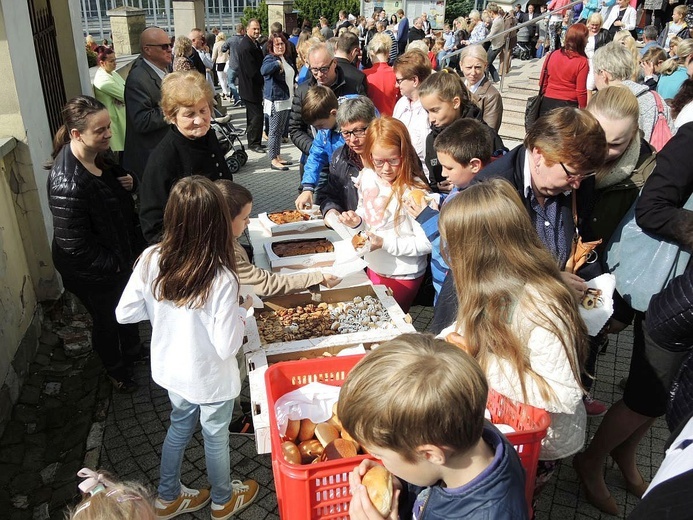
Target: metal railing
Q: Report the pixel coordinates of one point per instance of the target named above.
(533, 21)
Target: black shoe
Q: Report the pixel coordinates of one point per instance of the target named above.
(258, 148)
(242, 426)
(280, 168)
(122, 382)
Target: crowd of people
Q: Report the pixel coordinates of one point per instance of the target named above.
(147, 220)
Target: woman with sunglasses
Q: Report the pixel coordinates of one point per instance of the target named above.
(399, 248)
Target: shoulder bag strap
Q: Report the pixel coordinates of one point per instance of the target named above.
(545, 75)
(575, 216)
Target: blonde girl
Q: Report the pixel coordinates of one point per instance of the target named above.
(187, 287)
(516, 316)
(398, 246)
(673, 71)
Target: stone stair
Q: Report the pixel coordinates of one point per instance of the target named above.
(521, 83)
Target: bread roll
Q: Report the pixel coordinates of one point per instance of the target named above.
(378, 483)
(339, 449)
(292, 430)
(418, 197)
(310, 450)
(345, 435)
(326, 433)
(334, 420)
(359, 240)
(307, 430)
(291, 453)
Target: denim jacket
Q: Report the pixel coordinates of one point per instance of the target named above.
(275, 88)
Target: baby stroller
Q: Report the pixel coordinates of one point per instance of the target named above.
(522, 49)
(229, 138)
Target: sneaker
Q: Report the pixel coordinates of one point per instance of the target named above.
(238, 103)
(188, 501)
(122, 381)
(593, 407)
(242, 426)
(243, 495)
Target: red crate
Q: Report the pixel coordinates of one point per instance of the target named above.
(321, 491)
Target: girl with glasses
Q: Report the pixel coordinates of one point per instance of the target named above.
(398, 246)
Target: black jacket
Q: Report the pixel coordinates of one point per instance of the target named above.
(176, 157)
(250, 80)
(92, 222)
(659, 209)
(415, 34)
(340, 193)
(299, 131)
(602, 38)
(352, 74)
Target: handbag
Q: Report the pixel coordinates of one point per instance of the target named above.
(643, 263)
(581, 252)
(534, 103)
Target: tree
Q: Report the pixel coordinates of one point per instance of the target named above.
(457, 8)
(260, 13)
(313, 9)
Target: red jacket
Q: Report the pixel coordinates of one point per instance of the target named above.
(382, 87)
(567, 77)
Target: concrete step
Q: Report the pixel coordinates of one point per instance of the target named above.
(511, 132)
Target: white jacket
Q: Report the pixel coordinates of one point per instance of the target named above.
(629, 19)
(566, 434)
(193, 351)
(405, 247)
(415, 118)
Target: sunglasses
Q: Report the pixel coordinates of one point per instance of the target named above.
(162, 46)
(575, 176)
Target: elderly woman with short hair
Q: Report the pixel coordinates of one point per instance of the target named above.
(473, 63)
(596, 37)
(189, 148)
(182, 50)
(614, 65)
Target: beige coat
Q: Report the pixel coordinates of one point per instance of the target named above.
(489, 101)
(266, 283)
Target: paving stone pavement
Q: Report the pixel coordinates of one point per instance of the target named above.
(65, 399)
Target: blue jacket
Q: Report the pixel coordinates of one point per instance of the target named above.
(275, 88)
(324, 145)
(498, 493)
(428, 219)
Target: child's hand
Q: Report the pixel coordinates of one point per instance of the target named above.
(361, 507)
(445, 186)
(648, 68)
(330, 280)
(415, 209)
(247, 302)
(350, 218)
(375, 240)
(304, 200)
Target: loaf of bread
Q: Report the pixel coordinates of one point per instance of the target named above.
(378, 483)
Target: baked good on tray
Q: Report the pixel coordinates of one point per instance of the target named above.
(288, 216)
(302, 247)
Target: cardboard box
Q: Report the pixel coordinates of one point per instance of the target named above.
(315, 223)
(259, 357)
(300, 261)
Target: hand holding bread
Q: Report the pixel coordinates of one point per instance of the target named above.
(375, 492)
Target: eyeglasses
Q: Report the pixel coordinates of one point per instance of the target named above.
(400, 80)
(357, 132)
(321, 70)
(379, 163)
(575, 176)
(162, 46)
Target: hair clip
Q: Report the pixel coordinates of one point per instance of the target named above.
(93, 482)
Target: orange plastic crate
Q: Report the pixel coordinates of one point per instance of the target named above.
(321, 491)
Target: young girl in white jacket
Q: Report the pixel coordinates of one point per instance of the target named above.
(398, 246)
(516, 316)
(187, 287)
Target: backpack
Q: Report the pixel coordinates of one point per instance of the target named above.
(661, 133)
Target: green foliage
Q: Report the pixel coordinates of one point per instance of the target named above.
(457, 8)
(260, 13)
(313, 9)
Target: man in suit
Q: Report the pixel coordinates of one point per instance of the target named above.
(347, 54)
(402, 31)
(202, 57)
(145, 125)
(250, 84)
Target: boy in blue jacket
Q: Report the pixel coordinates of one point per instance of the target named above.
(319, 110)
(417, 404)
(463, 149)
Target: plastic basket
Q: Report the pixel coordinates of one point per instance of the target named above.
(530, 426)
(313, 491)
(321, 491)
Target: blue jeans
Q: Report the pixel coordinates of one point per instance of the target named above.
(231, 76)
(215, 419)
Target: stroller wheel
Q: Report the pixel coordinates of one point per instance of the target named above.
(233, 164)
(241, 156)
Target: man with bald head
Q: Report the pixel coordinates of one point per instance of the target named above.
(145, 125)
